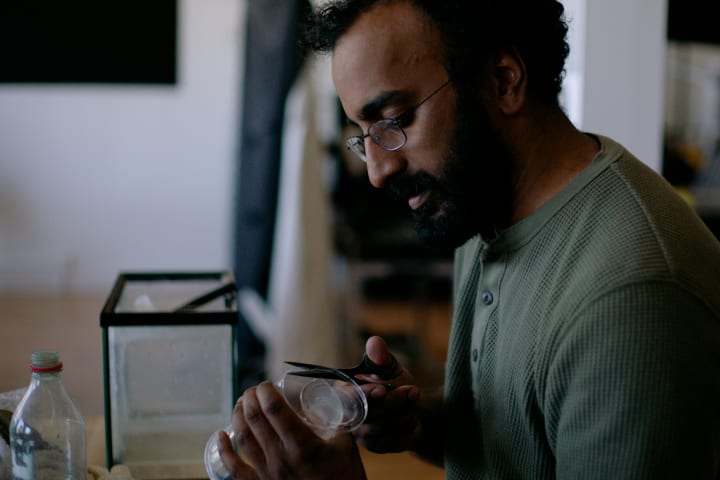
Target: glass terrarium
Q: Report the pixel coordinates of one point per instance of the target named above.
(169, 359)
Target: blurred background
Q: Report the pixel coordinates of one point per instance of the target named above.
(190, 135)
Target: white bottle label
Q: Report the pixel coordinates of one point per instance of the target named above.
(34, 458)
(22, 445)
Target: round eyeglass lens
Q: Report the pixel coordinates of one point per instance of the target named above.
(388, 135)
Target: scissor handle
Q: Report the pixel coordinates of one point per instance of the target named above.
(385, 372)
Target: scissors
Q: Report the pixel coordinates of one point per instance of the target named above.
(365, 367)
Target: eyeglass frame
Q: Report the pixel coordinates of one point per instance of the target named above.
(356, 143)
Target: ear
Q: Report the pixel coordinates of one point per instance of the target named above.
(509, 78)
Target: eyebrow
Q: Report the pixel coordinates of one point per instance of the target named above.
(371, 110)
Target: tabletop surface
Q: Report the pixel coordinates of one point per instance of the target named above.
(400, 466)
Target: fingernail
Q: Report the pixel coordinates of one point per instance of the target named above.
(377, 392)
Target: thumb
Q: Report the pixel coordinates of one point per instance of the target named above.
(378, 351)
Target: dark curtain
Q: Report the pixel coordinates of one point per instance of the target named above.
(272, 62)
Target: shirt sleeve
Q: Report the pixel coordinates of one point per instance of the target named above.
(633, 387)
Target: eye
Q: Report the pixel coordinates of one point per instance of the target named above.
(405, 119)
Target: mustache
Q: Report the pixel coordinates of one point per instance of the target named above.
(406, 186)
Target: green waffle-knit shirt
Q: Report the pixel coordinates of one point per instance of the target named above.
(586, 338)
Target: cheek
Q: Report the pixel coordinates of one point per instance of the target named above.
(430, 141)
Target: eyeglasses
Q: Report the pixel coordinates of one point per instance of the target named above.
(387, 133)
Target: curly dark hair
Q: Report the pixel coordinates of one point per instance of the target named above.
(472, 30)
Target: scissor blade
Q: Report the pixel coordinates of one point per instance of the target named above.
(315, 374)
(329, 374)
(306, 365)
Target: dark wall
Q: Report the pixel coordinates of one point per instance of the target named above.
(88, 42)
(696, 21)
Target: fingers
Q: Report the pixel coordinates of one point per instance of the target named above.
(273, 442)
(245, 440)
(392, 419)
(392, 423)
(267, 429)
(392, 404)
(278, 415)
(235, 465)
(383, 441)
(378, 391)
(375, 391)
(257, 439)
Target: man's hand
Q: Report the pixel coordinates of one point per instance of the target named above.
(274, 443)
(392, 424)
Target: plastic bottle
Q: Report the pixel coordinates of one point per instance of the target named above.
(47, 430)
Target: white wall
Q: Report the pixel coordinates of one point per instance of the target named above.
(616, 71)
(99, 179)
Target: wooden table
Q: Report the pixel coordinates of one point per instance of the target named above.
(97, 457)
(400, 466)
(95, 440)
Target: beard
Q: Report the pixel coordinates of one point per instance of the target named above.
(474, 195)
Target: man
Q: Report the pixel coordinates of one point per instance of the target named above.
(586, 333)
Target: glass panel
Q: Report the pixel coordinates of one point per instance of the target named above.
(168, 295)
(170, 388)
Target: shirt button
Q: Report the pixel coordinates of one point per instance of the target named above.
(487, 297)
(475, 355)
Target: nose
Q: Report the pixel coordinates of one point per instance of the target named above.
(382, 164)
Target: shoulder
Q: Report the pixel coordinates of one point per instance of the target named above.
(628, 226)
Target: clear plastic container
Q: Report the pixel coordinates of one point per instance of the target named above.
(47, 430)
(328, 406)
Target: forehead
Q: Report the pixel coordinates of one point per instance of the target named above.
(392, 47)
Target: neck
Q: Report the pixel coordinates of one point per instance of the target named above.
(550, 152)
